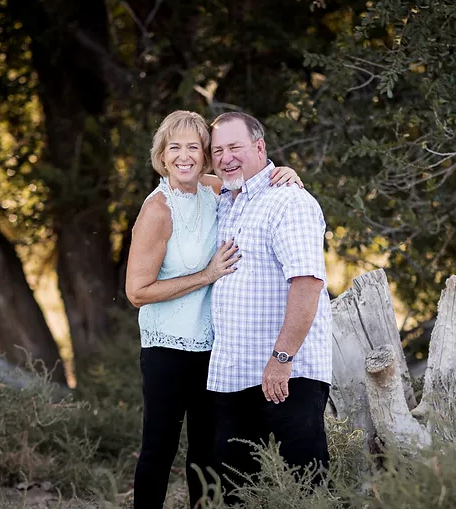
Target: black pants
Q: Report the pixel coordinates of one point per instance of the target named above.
(174, 382)
(298, 423)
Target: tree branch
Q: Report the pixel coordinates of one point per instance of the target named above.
(135, 18)
(116, 77)
(153, 13)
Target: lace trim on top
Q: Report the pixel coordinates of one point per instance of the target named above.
(154, 337)
(157, 338)
(165, 190)
(181, 194)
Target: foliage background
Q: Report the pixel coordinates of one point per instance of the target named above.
(359, 97)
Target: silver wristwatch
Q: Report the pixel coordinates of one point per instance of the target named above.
(282, 357)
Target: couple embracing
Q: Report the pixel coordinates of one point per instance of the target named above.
(228, 274)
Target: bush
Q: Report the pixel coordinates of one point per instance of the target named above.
(422, 482)
(355, 479)
(277, 486)
(80, 445)
(86, 444)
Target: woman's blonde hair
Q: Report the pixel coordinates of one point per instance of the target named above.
(175, 122)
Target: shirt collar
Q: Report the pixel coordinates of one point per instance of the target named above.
(259, 181)
(256, 183)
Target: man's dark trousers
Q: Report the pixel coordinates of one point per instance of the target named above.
(297, 423)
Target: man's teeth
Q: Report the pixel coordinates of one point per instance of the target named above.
(229, 170)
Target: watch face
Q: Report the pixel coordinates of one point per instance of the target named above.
(282, 357)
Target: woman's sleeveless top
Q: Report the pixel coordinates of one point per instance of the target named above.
(184, 323)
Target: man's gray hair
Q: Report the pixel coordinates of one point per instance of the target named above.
(254, 127)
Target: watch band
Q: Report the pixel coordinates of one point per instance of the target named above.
(282, 357)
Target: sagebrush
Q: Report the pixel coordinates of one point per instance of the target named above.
(86, 444)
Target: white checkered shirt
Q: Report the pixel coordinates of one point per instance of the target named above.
(279, 231)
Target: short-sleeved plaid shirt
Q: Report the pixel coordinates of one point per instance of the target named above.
(279, 231)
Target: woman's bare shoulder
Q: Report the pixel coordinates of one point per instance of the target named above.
(154, 213)
(157, 204)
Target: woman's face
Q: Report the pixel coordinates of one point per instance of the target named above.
(184, 157)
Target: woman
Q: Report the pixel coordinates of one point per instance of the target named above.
(172, 264)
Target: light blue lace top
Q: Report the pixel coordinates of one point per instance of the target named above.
(184, 323)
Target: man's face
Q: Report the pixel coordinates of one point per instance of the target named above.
(235, 157)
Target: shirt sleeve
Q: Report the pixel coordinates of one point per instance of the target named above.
(297, 240)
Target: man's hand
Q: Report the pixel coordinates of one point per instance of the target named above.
(275, 380)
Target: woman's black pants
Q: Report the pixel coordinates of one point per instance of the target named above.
(174, 383)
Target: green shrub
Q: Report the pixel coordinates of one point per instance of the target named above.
(86, 444)
(79, 444)
(355, 479)
(41, 439)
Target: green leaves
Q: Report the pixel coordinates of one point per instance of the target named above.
(362, 148)
(384, 119)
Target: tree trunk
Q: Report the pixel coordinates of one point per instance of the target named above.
(370, 378)
(363, 319)
(433, 417)
(391, 417)
(86, 281)
(21, 321)
(441, 366)
(69, 42)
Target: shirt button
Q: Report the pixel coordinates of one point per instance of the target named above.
(239, 231)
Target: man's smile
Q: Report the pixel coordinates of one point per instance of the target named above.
(231, 170)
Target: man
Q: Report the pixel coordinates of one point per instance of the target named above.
(271, 361)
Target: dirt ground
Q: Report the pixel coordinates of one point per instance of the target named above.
(38, 497)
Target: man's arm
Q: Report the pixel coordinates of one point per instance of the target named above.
(297, 240)
(302, 305)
